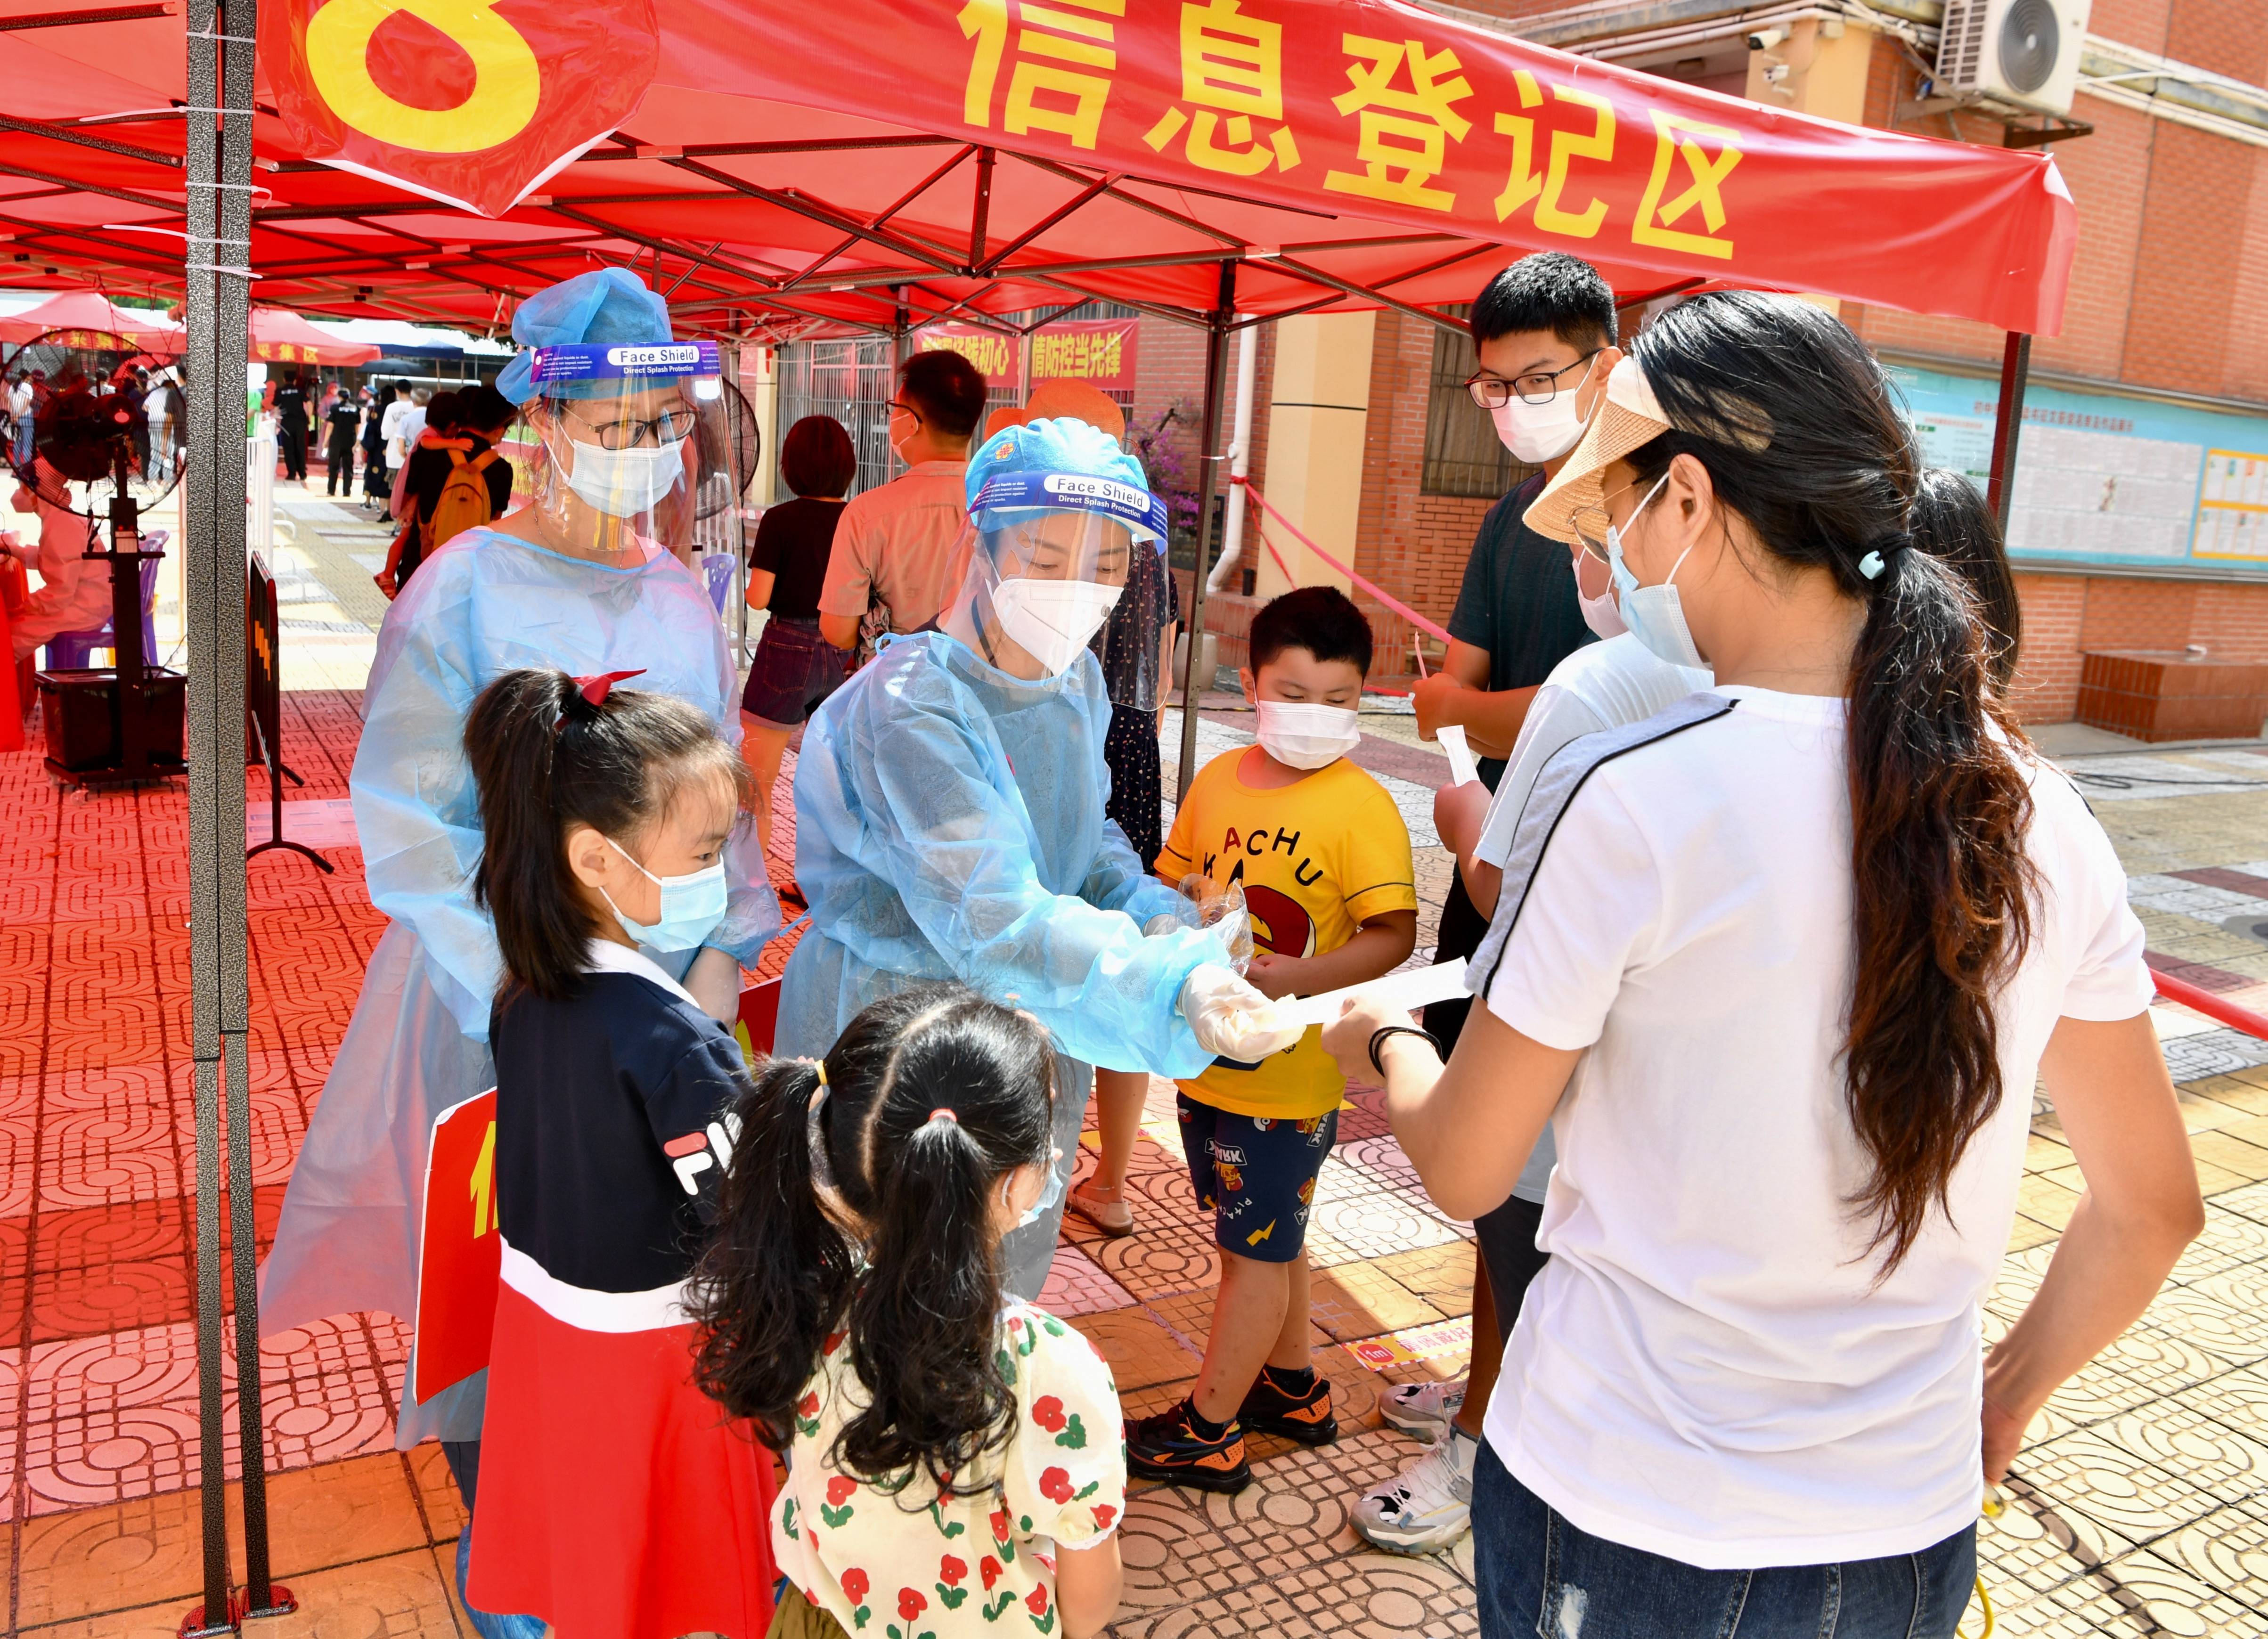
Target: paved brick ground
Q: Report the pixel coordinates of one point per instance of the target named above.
(2140, 1503)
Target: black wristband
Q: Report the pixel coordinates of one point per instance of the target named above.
(1384, 1030)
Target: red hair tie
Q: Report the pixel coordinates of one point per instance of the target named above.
(945, 1115)
(595, 689)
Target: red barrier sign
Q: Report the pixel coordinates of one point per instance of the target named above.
(460, 1251)
(472, 102)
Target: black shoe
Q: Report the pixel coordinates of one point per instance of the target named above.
(1166, 1447)
(1307, 1419)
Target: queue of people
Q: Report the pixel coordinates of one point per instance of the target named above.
(1773, 919)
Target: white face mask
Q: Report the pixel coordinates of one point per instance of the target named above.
(1052, 621)
(1305, 736)
(1537, 433)
(623, 483)
(1600, 612)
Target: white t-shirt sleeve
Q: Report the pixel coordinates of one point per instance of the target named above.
(2110, 981)
(1591, 912)
(1556, 717)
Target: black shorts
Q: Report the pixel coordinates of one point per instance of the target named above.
(795, 669)
(1255, 1175)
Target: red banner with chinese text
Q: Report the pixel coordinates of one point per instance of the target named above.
(1098, 351)
(999, 358)
(1372, 109)
(472, 102)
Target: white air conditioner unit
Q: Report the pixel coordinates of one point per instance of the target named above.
(2023, 52)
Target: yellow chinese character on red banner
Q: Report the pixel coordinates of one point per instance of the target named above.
(1677, 137)
(1061, 31)
(1405, 133)
(1523, 185)
(1231, 64)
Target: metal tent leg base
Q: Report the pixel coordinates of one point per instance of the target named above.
(281, 1602)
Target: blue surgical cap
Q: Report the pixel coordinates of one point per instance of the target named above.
(1066, 447)
(607, 304)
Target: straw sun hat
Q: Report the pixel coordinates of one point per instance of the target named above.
(1630, 416)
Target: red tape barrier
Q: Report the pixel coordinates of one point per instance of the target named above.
(1371, 587)
(2212, 1006)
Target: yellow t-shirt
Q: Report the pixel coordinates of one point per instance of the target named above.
(1316, 860)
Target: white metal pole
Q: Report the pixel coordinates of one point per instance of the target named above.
(1239, 450)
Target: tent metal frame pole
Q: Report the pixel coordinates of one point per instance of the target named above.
(1217, 324)
(2008, 424)
(216, 272)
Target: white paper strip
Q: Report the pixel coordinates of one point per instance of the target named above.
(1409, 990)
(1462, 770)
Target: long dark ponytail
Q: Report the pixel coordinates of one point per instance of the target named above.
(1797, 427)
(545, 758)
(781, 1272)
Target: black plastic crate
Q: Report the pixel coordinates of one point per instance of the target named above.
(82, 734)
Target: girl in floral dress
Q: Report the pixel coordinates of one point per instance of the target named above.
(954, 1458)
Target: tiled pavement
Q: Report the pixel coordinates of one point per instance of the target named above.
(2141, 1501)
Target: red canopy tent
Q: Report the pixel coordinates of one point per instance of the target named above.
(875, 164)
(871, 164)
(281, 338)
(91, 314)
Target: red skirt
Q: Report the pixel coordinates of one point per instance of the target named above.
(616, 1501)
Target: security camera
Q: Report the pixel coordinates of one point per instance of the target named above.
(1765, 39)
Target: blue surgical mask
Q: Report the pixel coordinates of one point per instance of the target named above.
(1655, 615)
(1050, 1192)
(692, 905)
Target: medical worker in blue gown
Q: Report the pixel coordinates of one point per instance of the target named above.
(575, 581)
(949, 798)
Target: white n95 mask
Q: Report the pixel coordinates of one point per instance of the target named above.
(624, 483)
(1305, 736)
(1053, 620)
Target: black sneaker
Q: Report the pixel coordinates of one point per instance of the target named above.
(1165, 1447)
(1306, 1418)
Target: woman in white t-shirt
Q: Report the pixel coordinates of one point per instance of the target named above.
(1794, 952)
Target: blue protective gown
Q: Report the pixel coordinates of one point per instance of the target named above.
(486, 604)
(949, 825)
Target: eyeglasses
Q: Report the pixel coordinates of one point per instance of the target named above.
(1539, 387)
(1591, 523)
(907, 409)
(670, 427)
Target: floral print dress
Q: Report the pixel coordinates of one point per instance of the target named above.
(901, 1567)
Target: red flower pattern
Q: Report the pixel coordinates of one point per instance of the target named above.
(807, 1407)
(1048, 1412)
(950, 1571)
(854, 1585)
(1055, 1485)
(1036, 1601)
(1103, 1515)
(840, 1489)
(911, 1605)
(999, 1525)
(988, 1568)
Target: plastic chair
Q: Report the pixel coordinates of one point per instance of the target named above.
(717, 568)
(71, 650)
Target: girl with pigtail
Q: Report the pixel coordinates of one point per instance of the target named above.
(954, 1464)
(612, 1500)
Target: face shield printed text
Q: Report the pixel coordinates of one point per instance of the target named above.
(1009, 493)
(587, 362)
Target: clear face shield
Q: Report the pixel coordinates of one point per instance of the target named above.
(1049, 557)
(619, 428)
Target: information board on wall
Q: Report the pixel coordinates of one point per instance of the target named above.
(2104, 478)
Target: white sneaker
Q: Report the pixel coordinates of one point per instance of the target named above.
(1429, 1505)
(1422, 1409)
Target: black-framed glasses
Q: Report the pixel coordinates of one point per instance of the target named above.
(902, 406)
(1538, 387)
(670, 427)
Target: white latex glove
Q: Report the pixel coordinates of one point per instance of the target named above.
(1230, 1018)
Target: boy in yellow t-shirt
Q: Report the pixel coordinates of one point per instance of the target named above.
(1323, 859)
